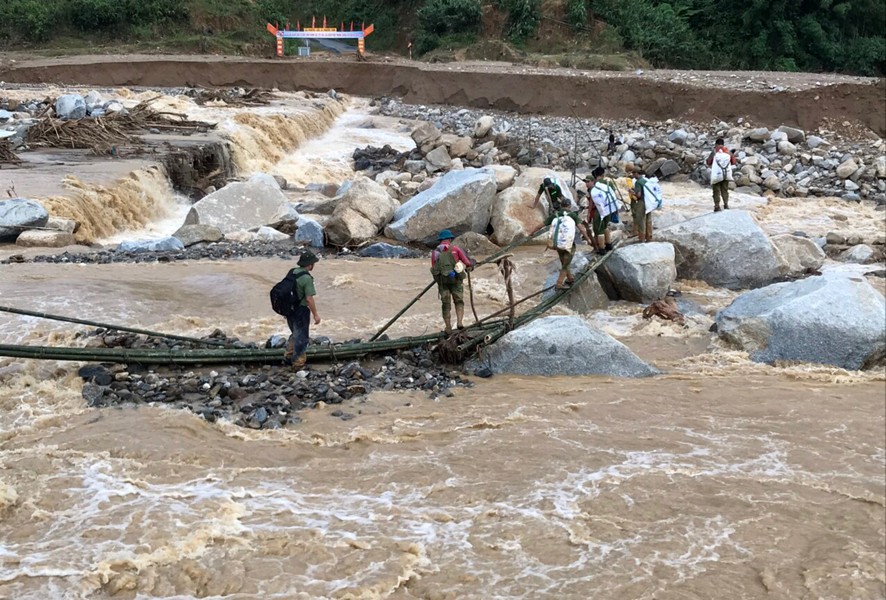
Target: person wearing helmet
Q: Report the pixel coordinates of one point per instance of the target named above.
(300, 321)
(553, 192)
(448, 265)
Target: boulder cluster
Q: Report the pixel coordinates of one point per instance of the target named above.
(785, 161)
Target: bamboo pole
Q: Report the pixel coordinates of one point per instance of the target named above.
(486, 261)
(42, 315)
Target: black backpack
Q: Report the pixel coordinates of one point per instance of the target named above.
(284, 296)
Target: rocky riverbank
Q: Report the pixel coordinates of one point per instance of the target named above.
(839, 160)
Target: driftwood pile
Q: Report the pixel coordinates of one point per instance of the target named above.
(7, 156)
(103, 134)
(253, 97)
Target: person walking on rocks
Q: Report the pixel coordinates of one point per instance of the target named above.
(563, 225)
(721, 162)
(601, 209)
(448, 265)
(299, 320)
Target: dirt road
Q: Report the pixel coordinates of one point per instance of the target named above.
(772, 99)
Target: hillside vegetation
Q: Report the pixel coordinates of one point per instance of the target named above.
(809, 35)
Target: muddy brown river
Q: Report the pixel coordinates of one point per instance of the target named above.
(720, 478)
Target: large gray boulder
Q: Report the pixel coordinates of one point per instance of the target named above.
(833, 319)
(513, 217)
(642, 272)
(17, 214)
(588, 296)
(310, 232)
(363, 208)
(167, 244)
(70, 106)
(460, 201)
(726, 249)
(562, 345)
(195, 234)
(797, 255)
(238, 206)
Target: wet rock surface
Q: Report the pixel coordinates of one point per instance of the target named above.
(256, 396)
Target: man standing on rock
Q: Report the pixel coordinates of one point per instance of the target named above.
(601, 208)
(721, 162)
(638, 192)
(300, 320)
(448, 264)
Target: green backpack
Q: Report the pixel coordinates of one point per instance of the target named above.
(445, 265)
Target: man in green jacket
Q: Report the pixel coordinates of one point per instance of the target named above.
(300, 321)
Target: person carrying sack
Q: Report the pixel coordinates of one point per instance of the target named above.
(721, 161)
(448, 265)
(293, 298)
(646, 196)
(601, 210)
(563, 226)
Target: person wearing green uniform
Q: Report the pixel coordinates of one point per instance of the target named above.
(300, 321)
(445, 261)
(600, 209)
(554, 194)
(566, 277)
(642, 218)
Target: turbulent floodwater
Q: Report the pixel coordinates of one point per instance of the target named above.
(720, 478)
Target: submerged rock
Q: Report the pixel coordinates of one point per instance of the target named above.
(382, 250)
(833, 319)
(561, 345)
(167, 244)
(588, 296)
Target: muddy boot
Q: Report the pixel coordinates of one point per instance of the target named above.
(460, 316)
(299, 363)
(290, 350)
(447, 324)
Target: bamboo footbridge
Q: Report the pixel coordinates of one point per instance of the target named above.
(453, 348)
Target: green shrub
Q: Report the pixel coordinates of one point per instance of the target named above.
(523, 18)
(31, 20)
(577, 14)
(441, 17)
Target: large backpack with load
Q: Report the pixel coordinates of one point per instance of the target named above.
(285, 298)
(444, 266)
(721, 167)
(562, 233)
(652, 194)
(604, 200)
